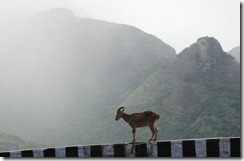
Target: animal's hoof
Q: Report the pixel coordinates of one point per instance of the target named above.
(152, 140)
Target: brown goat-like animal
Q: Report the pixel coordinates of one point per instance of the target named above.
(136, 120)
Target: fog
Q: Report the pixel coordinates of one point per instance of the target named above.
(41, 79)
(30, 7)
(178, 23)
(55, 84)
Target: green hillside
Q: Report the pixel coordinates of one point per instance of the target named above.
(64, 77)
(198, 95)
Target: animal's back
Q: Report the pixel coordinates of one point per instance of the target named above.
(151, 114)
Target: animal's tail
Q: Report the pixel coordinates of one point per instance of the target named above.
(158, 117)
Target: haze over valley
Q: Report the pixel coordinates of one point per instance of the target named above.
(63, 76)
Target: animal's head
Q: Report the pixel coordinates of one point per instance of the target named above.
(120, 112)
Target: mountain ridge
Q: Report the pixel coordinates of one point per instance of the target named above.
(65, 77)
(65, 66)
(236, 52)
(186, 88)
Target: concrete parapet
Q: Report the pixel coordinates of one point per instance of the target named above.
(205, 147)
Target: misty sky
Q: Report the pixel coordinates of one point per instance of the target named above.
(59, 81)
(178, 23)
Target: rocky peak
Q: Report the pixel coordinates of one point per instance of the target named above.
(206, 61)
(209, 51)
(209, 46)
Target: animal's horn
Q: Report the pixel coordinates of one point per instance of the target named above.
(122, 109)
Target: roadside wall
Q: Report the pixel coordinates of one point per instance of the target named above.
(205, 147)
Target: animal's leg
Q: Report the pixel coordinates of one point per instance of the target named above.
(134, 134)
(134, 140)
(153, 132)
(156, 130)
